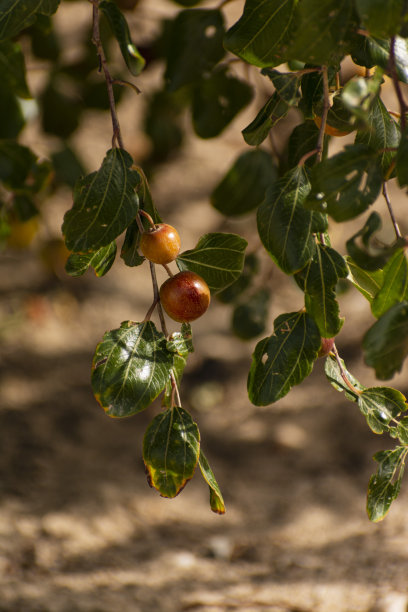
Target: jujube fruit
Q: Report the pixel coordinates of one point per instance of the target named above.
(185, 296)
(160, 244)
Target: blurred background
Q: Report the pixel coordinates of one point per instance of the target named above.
(80, 530)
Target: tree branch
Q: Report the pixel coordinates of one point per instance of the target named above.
(390, 210)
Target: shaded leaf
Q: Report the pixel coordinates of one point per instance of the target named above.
(130, 368)
(15, 16)
(16, 162)
(380, 19)
(101, 260)
(401, 166)
(117, 21)
(359, 94)
(171, 447)
(367, 282)
(370, 52)
(394, 285)
(67, 166)
(284, 359)
(312, 88)
(218, 258)
(334, 375)
(269, 115)
(60, 112)
(216, 500)
(302, 140)
(370, 255)
(12, 69)
(286, 85)
(104, 204)
(243, 187)
(250, 269)
(129, 252)
(402, 430)
(249, 317)
(384, 486)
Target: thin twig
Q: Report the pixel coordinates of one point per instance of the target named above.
(169, 272)
(150, 311)
(326, 106)
(126, 84)
(390, 210)
(306, 156)
(156, 295)
(394, 76)
(148, 217)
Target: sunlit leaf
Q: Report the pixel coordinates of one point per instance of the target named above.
(334, 374)
(384, 486)
(379, 405)
(369, 52)
(394, 286)
(367, 282)
(101, 260)
(216, 500)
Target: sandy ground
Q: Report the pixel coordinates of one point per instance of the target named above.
(80, 530)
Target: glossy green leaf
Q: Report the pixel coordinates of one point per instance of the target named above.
(104, 204)
(12, 69)
(318, 280)
(370, 52)
(217, 258)
(381, 134)
(217, 99)
(195, 46)
(379, 405)
(394, 286)
(284, 225)
(171, 449)
(302, 140)
(402, 430)
(15, 16)
(385, 344)
(382, 19)
(130, 368)
(261, 35)
(216, 500)
(130, 247)
(243, 187)
(250, 316)
(347, 183)
(284, 359)
(384, 486)
(286, 85)
(16, 162)
(101, 261)
(249, 271)
(181, 342)
(334, 375)
(401, 166)
(273, 111)
(367, 282)
(117, 21)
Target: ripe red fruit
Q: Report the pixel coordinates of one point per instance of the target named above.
(326, 347)
(160, 244)
(185, 296)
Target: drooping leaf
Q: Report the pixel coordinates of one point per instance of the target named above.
(67, 166)
(217, 99)
(249, 271)
(275, 109)
(130, 247)
(340, 120)
(195, 46)
(382, 19)
(402, 430)
(130, 368)
(171, 449)
(261, 35)
(334, 375)
(394, 286)
(15, 16)
(216, 500)
(369, 52)
(284, 225)
(379, 405)
(286, 85)
(250, 316)
(302, 140)
(284, 359)
(217, 258)
(101, 261)
(104, 204)
(243, 187)
(385, 344)
(12, 69)
(367, 282)
(346, 183)
(117, 21)
(384, 486)
(401, 165)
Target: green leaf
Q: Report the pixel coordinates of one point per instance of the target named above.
(379, 405)
(395, 284)
(302, 140)
(217, 99)
(318, 280)
(163, 121)
(261, 35)
(371, 52)
(334, 375)
(129, 252)
(384, 486)
(12, 69)
(130, 368)
(323, 32)
(16, 162)
(117, 21)
(10, 107)
(385, 344)
(195, 46)
(169, 397)
(359, 94)
(216, 500)
(286, 85)
(382, 133)
(382, 19)
(171, 449)
(401, 166)
(60, 112)
(367, 282)
(243, 187)
(67, 166)
(284, 359)
(101, 260)
(104, 204)
(15, 16)
(369, 256)
(312, 88)
(217, 258)
(249, 271)
(181, 342)
(346, 183)
(269, 115)
(249, 317)
(284, 225)
(402, 430)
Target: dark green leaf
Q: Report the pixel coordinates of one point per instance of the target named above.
(10, 107)
(302, 140)
(15, 16)
(216, 501)
(217, 99)
(386, 342)
(101, 261)
(340, 120)
(250, 269)
(312, 88)
(12, 69)
(334, 375)
(261, 35)
(163, 122)
(249, 317)
(368, 283)
(171, 448)
(45, 43)
(402, 160)
(130, 368)
(274, 110)
(24, 207)
(117, 21)
(379, 405)
(67, 166)
(382, 19)
(286, 85)
(60, 112)
(16, 162)
(368, 256)
(385, 485)
(129, 252)
(346, 183)
(371, 52)
(243, 187)
(284, 225)
(284, 359)
(394, 286)
(195, 46)
(402, 430)
(104, 204)
(217, 258)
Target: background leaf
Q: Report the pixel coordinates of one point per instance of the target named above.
(12, 69)
(15, 16)
(250, 316)
(382, 20)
